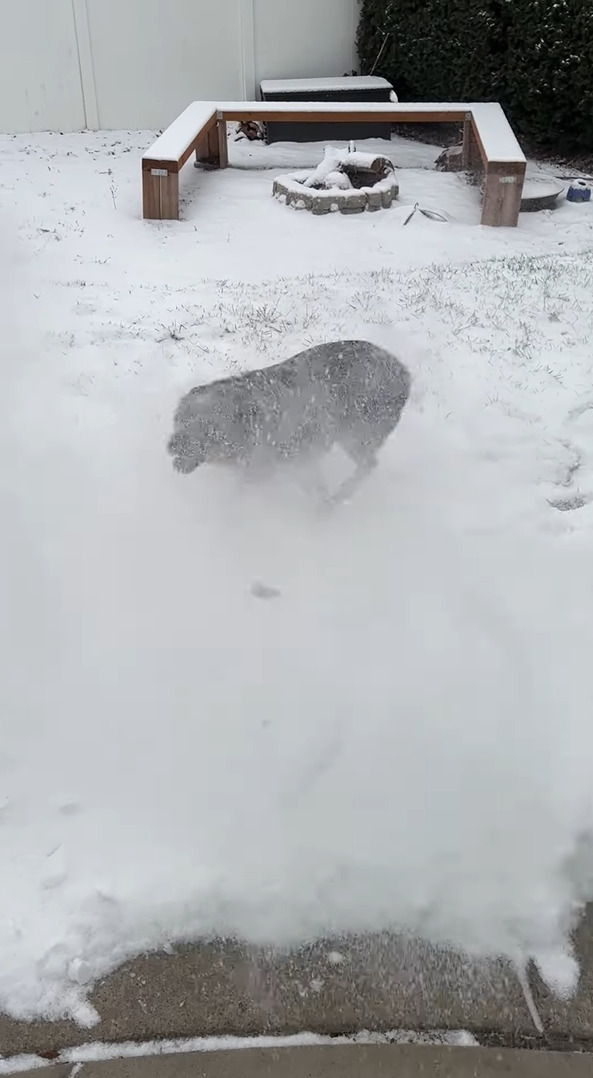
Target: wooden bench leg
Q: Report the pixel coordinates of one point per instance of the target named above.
(212, 150)
(470, 157)
(151, 196)
(207, 149)
(502, 194)
(160, 194)
(223, 146)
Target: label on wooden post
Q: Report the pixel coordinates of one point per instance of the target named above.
(158, 172)
(508, 179)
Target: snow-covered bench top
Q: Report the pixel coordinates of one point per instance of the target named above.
(389, 109)
(175, 141)
(319, 86)
(494, 133)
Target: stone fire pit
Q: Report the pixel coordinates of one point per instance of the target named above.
(344, 182)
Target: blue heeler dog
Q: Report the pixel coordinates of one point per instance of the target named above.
(346, 393)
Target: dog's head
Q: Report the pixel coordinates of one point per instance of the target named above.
(188, 450)
(203, 430)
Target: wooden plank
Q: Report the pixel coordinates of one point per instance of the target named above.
(223, 146)
(200, 139)
(179, 135)
(199, 135)
(207, 150)
(160, 195)
(388, 111)
(502, 194)
(265, 113)
(498, 141)
(151, 196)
(483, 136)
(202, 149)
(471, 155)
(170, 197)
(212, 148)
(478, 138)
(168, 166)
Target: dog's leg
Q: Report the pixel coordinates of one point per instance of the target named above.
(348, 487)
(363, 454)
(310, 478)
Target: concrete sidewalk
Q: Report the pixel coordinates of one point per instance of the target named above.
(343, 1061)
(377, 982)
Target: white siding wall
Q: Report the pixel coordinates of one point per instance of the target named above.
(149, 66)
(69, 64)
(39, 71)
(304, 38)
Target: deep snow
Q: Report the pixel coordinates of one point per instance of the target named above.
(401, 738)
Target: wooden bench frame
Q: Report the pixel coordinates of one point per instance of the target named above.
(488, 142)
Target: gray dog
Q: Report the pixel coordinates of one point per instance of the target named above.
(346, 393)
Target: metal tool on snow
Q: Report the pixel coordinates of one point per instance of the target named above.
(431, 214)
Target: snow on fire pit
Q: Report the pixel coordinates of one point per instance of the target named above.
(344, 181)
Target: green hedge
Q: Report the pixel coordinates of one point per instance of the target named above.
(534, 56)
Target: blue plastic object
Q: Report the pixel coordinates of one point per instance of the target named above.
(579, 191)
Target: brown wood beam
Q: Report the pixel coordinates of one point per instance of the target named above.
(300, 114)
(472, 156)
(160, 194)
(502, 193)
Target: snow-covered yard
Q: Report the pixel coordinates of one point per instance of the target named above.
(402, 738)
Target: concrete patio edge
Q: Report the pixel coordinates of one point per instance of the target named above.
(376, 982)
(341, 1061)
(379, 982)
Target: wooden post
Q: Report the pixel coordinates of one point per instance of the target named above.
(470, 156)
(202, 152)
(502, 193)
(170, 197)
(223, 146)
(207, 148)
(151, 195)
(212, 149)
(160, 194)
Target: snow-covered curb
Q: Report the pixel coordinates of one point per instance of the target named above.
(100, 1052)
